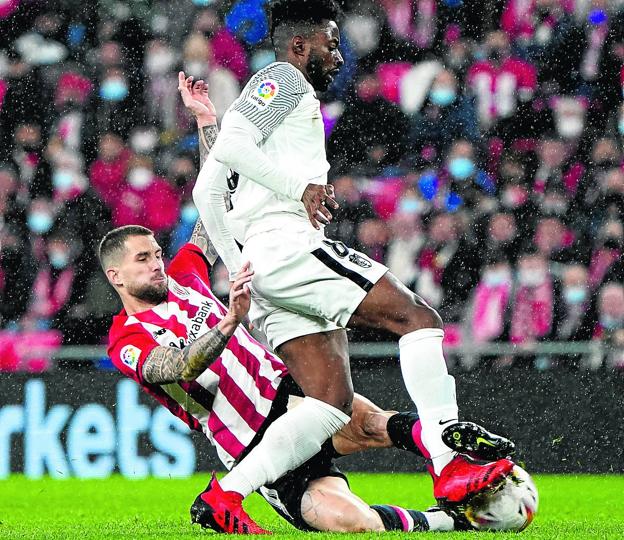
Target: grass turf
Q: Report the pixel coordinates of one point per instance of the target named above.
(570, 507)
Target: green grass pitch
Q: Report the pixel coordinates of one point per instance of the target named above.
(570, 507)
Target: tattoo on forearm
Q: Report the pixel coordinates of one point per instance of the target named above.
(201, 239)
(207, 138)
(163, 365)
(202, 352)
(167, 364)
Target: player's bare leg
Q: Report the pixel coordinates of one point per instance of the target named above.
(391, 306)
(329, 505)
(319, 364)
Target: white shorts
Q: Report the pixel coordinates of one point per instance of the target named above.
(305, 283)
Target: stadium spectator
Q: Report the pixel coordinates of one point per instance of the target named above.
(143, 192)
(610, 327)
(108, 171)
(533, 303)
(487, 316)
(360, 141)
(446, 115)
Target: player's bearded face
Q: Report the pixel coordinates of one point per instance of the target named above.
(153, 293)
(324, 59)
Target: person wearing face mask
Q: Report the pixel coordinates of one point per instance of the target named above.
(117, 107)
(610, 327)
(576, 311)
(107, 173)
(53, 284)
(143, 193)
(467, 183)
(34, 169)
(446, 115)
(488, 312)
(533, 303)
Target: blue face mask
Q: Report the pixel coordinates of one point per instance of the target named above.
(189, 213)
(621, 127)
(62, 180)
(410, 206)
(261, 59)
(494, 278)
(39, 222)
(575, 295)
(610, 323)
(58, 259)
(461, 168)
(113, 90)
(442, 96)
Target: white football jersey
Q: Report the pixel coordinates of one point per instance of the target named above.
(284, 108)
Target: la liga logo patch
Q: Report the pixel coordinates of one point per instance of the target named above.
(264, 93)
(267, 90)
(130, 356)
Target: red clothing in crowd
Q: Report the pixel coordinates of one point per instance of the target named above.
(107, 178)
(498, 87)
(229, 53)
(157, 206)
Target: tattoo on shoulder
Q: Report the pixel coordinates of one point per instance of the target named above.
(163, 365)
(201, 239)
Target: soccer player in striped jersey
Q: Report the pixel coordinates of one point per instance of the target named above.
(307, 289)
(187, 350)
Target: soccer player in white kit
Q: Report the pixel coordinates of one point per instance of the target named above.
(306, 288)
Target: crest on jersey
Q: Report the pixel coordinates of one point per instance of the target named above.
(263, 94)
(360, 261)
(130, 356)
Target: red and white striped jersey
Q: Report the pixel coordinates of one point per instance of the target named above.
(231, 399)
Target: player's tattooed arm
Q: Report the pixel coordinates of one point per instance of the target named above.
(207, 137)
(201, 239)
(168, 364)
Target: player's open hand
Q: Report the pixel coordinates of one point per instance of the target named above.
(316, 198)
(195, 97)
(240, 296)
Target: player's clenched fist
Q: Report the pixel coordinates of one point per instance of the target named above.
(316, 198)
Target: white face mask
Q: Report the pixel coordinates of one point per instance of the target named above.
(530, 277)
(197, 68)
(157, 63)
(144, 142)
(570, 127)
(140, 177)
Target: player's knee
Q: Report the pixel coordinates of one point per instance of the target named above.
(423, 316)
(344, 401)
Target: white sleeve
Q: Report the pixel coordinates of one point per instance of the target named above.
(237, 148)
(209, 195)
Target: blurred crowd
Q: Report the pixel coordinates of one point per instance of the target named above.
(477, 148)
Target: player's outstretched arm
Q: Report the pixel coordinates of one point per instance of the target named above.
(211, 188)
(197, 101)
(168, 364)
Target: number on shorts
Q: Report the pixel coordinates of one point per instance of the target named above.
(337, 247)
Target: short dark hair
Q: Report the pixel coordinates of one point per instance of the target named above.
(114, 241)
(297, 13)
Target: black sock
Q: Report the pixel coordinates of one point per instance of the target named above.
(400, 427)
(395, 518)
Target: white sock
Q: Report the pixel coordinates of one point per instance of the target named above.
(439, 521)
(431, 388)
(290, 441)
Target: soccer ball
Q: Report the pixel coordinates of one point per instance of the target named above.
(510, 508)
